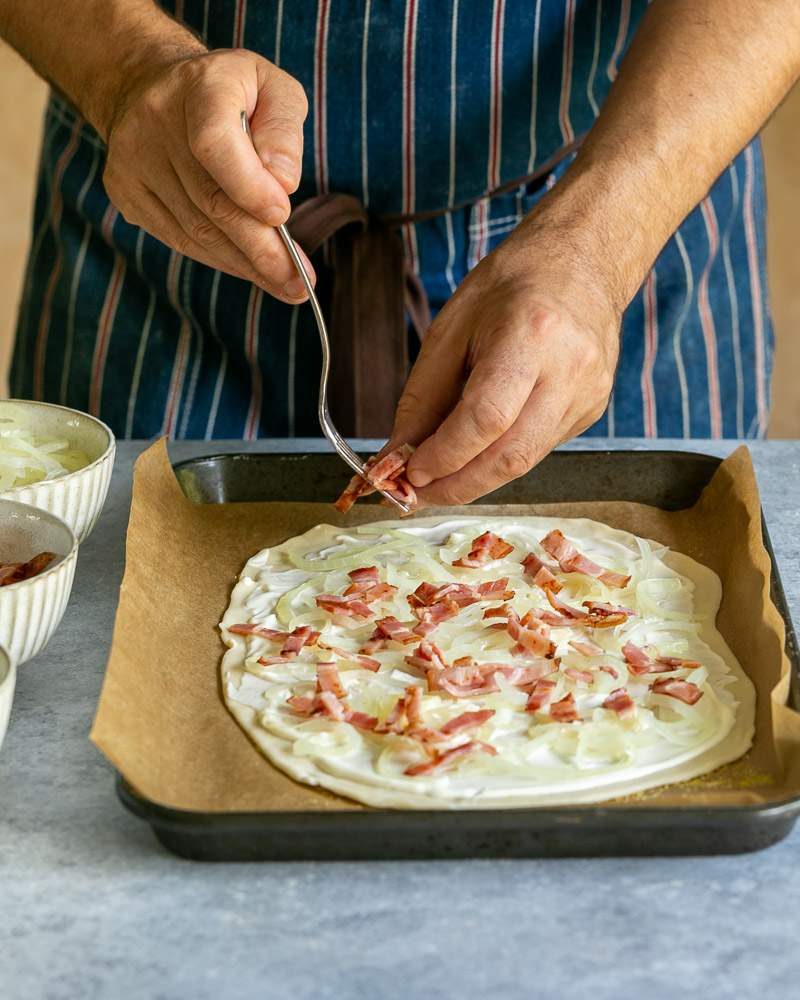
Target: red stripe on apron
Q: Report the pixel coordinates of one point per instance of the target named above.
(707, 319)
(622, 34)
(756, 296)
(251, 352)
(107, 315)
(566, 73)
(320, 110)
(496, 106)
(650, 351)
(239, 19)
(409, 82)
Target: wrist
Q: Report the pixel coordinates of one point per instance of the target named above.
(603, 226)
(141, 63)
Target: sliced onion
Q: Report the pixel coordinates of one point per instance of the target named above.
(27, 457)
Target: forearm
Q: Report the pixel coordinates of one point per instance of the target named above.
(699, 81)
(91, 49)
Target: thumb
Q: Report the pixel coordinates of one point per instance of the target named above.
(277, 125)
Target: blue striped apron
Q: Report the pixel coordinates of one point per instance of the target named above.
(415, 106)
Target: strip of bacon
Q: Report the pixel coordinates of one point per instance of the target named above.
(392, 629)
(576, 614)
(425, 627)
(557, 621)
(378, 592)
(495, 590)
(529, 637)
(540, 695)
(676, 663)
(328, 704)
(586, 647)
(520, 676)
(304, 635)
(462, 594)
(366, 584)
(613, 672)
(367, 662)
(427, 656)
(430, 617)
(572, 561)
(640, 663)
(541, 574)
(365, 576)
(602, 608)
(360, 719)
(259, 630)
(485, 547)
(684, 691)
(465, 680)
(328, 679)
(564, 710)
(568, 615)
(501, 611)
(581, 676)
(17, 572)
(620, 701)
(446, 759)
(300, 704)
(270, 661)
(351, 606)
(387, 474)
(433, 605)
(406, 714)
(467, 720)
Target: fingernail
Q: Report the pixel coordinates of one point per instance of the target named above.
(419, 478)
(294, 288)
(275, 216)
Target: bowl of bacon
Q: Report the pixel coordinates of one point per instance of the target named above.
(37, 565)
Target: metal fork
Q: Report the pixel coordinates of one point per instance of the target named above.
(342, 448)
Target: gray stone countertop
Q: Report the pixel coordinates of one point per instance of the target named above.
(92, 907)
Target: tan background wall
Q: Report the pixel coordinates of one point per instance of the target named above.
(20, 111)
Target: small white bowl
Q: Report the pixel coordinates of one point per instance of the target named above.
(31, 609)
(8, 679)
(77, 497)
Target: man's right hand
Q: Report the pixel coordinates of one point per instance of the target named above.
(180, 166)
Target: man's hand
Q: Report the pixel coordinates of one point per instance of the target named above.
(520, 359)
(523, 356)
(180, 166)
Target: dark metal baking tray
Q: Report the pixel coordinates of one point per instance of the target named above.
(668, 479)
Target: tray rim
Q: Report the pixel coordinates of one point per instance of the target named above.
(641, 816)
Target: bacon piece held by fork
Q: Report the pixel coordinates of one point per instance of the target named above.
(386, 473)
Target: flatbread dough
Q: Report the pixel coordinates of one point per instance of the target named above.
(539, 762)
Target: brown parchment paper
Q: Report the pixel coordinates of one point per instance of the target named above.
(161, 720)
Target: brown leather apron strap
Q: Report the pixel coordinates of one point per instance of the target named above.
(372, 294)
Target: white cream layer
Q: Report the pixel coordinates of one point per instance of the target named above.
(539, 762)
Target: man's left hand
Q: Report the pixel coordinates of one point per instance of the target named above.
(519, 360)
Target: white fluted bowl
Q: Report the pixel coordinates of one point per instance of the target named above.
(31, 609)
(8, 680)
(77, 497)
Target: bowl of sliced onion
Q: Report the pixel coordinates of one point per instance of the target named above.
(38, 552)
(57, 459)
(8, 680)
